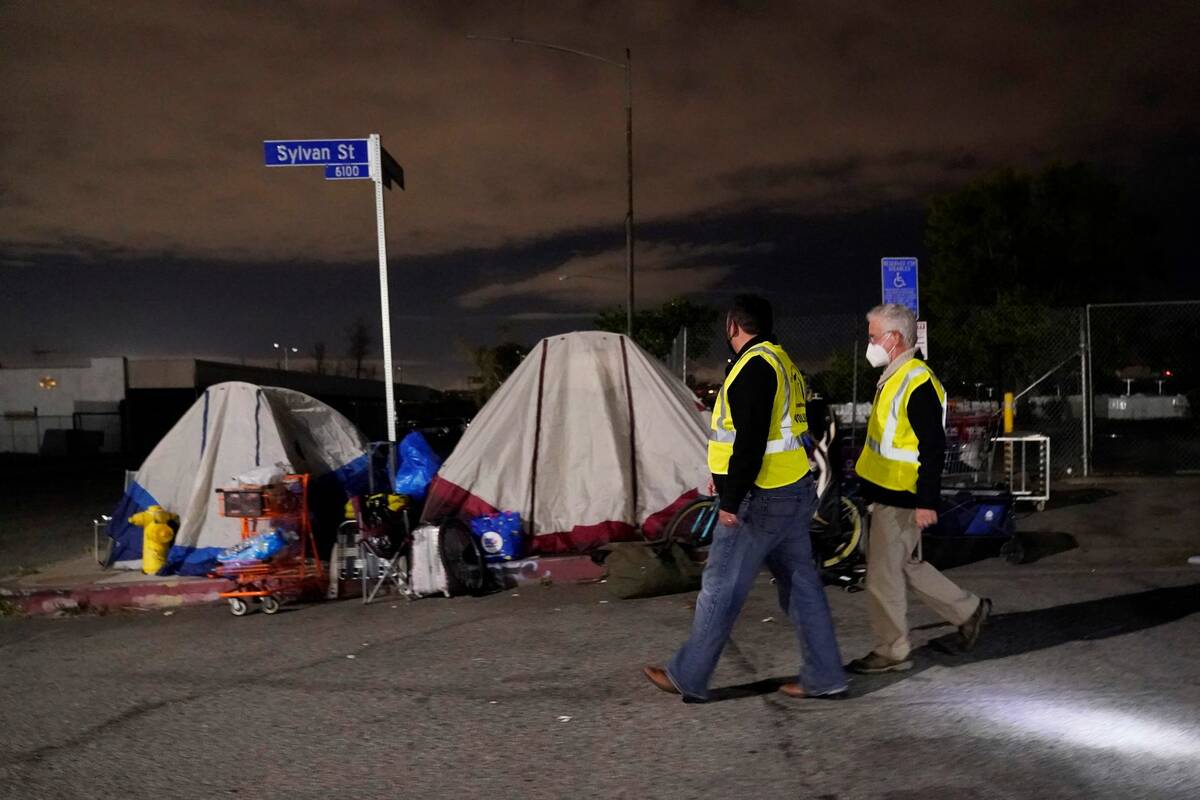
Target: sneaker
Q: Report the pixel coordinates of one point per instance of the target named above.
(969, 630)
(873, 663)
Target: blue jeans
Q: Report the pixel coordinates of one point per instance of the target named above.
(773, 528)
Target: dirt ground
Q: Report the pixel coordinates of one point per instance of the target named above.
(47, 508)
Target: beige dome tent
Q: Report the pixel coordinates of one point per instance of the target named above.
(231, 428)
(590, 439)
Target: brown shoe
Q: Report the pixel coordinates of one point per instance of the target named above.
(658, 676)
(873, 663)
(969, 630)
(797, 691)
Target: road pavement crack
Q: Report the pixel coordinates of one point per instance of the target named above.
(39, 754)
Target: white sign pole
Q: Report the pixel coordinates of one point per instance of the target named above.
(376, 166)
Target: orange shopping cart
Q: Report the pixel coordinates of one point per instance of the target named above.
(292, 572)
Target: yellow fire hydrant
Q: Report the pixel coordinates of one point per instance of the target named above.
(157, 535)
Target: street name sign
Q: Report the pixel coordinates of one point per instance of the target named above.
(314, 152)
(347, 172)
(353, 160)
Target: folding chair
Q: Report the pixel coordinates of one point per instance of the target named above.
(382, 545)
(384, 535)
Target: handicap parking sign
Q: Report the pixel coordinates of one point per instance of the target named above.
(900, 282)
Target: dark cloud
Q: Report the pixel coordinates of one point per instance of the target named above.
(140, 122)
(131, 138)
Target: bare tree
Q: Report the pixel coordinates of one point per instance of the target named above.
(359, 336)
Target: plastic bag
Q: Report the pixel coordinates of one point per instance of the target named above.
(499, 536)
(263, 476)
(262, 547)
(418, 465)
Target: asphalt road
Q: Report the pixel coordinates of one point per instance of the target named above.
(1085, 685)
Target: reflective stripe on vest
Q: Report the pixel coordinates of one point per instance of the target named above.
(784, 458)
(787, 442)
(883, 461)
(887, 447)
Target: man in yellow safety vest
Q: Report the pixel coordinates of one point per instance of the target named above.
(900, 468)
(760, 470)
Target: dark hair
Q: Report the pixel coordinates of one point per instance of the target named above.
(752, 314)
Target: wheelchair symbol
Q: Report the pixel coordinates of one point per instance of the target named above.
(898, 281)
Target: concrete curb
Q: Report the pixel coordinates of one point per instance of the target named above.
(98, 597)
(104, 597)
(548, 569)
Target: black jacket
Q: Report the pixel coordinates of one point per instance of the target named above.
(751, 399)
(925, 414)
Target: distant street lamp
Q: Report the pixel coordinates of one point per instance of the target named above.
(626, 65)
(285, 350)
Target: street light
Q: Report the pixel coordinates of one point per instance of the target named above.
(626, 65)
(285, 350)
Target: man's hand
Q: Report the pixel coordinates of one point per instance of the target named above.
(712, 488)
(727, 519)
(926, 517)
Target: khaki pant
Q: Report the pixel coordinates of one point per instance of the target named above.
(894, 564)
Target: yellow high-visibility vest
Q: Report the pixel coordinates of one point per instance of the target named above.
(891, 455)
(784, 461)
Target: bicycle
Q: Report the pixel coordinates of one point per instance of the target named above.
(838, 528)
(837, 543)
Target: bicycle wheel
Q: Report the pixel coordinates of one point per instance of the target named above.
(835, 544)
(693, 524)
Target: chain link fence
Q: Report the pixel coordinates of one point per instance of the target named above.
(61, 434)
(1038, 355)
(1145, 387)
(979, 354)
(1114, 387)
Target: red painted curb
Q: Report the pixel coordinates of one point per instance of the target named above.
(112, 597)
(555, 569)
(101, 597)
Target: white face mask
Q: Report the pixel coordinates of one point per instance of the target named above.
(876, 355)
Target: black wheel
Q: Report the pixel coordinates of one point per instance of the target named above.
(270, 604)
(692, 525)
(238, 607)
(466, 570)
(835, 543)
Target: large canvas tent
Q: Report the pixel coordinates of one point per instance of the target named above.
(589, 439)
(233, 428)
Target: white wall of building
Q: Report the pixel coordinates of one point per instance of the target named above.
(97, 388)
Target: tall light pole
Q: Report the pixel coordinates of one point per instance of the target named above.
(285, 350)
(626, 65)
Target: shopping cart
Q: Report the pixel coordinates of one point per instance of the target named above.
(294, 572)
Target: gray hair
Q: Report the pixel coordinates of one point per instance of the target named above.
(896, 318)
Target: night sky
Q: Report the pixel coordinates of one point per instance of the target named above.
(779, 147)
